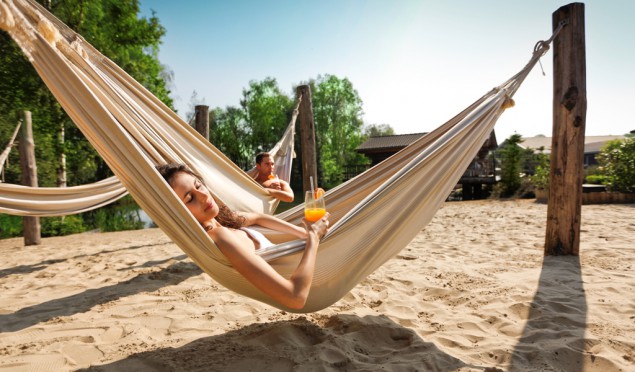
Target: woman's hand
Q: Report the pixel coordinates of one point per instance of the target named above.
(319, 227)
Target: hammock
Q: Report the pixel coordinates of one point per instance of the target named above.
(51, 201)
(374, 215)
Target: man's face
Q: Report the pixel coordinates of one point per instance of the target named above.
(266, 166)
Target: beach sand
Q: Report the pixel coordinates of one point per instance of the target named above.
(472, 292)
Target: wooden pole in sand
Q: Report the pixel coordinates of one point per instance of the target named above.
(569, 119)
(201, 120)
(26, 148)
(307, 137)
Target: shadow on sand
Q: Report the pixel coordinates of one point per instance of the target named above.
(553, 337)
(338, 343)
(84, 301)
(31, 268)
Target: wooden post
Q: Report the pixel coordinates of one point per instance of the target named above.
(569, 119)
(307, 138)
(202, 120)
(26, 148)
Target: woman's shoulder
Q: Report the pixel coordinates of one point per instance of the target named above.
(219, 231)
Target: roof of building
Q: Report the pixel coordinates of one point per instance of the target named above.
(389, 142)
(591, 143)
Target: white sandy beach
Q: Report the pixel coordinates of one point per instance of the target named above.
(472, 292)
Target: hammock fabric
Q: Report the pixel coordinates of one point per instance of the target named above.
(50, 201)
(374, 215)
(59, 201)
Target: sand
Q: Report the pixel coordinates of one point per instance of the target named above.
(472, 292)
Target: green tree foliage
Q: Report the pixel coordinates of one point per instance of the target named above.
(266, 111)
(112, 26)
(241, 132)
(540, 178)
(510, 155)
(337, 109)
(378, 130)
(228, 132)
(617, 163)
(22, 89)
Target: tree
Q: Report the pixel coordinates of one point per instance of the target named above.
(510, 154)
(228, 131)
(257, 125)
(112, 27)
(617, 163)
(337, 110)
(267, 112)
(378, 130)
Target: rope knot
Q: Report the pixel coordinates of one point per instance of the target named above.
(541, 48)
(508, 103)
(48, 31)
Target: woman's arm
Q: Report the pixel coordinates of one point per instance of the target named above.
(273, 223)
(291, 292)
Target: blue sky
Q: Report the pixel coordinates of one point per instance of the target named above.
(415, 64)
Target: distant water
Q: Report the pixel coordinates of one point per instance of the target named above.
(147, 221)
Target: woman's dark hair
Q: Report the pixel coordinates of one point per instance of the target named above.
(226, 216)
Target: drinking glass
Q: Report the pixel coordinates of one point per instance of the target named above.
(314, 207)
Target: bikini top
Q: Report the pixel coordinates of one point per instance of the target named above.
(257, 237)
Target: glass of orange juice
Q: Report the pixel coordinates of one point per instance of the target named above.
(314, 206)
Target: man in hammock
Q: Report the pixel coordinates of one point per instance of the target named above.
(239, 243)
(266, 176)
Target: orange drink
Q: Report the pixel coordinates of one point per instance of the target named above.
(314, 214)
(314, 207)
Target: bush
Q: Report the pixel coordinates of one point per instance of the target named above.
(122, 216)
(60, 226)
(597, 179)
(10, 226)
(617, 163)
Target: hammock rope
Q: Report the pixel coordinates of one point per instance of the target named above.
(374, 215)
(4, 157)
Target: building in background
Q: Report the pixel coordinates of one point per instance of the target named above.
(475, 183)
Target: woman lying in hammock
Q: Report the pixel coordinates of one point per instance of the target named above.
(239, 243)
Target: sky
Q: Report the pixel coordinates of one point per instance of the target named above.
(414, 63)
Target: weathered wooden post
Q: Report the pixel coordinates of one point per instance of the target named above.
(569, 119)
(307, 137)
(202, 120)
(26, 148)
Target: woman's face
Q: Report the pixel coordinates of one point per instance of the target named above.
(195, 196)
